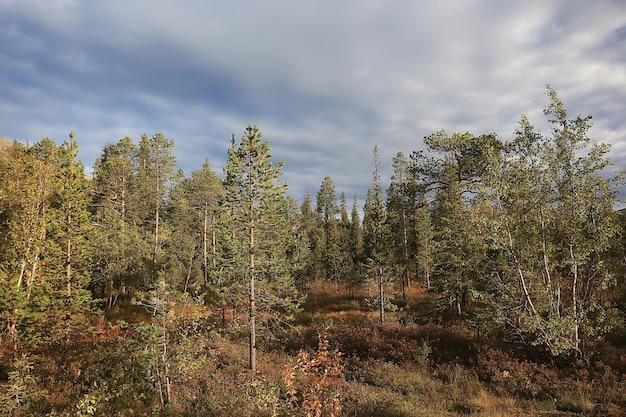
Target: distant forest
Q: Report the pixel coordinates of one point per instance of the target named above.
(518, 240)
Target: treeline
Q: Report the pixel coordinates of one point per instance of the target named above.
(519, 236)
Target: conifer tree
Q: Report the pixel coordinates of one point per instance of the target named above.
(44, 297)
(310, 226)
(453, 171)
(207, 191)
(298, 251)
(156, 171)
(402, 200)
(192, 212)
(69, 249)
(345, 257)
(254, 195)
(356, 249)
(115, 181)
(327, 210)
(27, 189)
(376, 238)
(423, 238)
(119, 244)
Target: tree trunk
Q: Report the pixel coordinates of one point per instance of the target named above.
(576, 346)
(252, 326)
(205, 263)
(381, 296)
(252, 289)
(68, 268)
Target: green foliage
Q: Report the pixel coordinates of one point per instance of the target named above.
(254, 199)
(22, 391)
(330, 240)
(555, 228)
(515, 241)
(575, 404)
(46, 262)
(120, 246)
(193, 213)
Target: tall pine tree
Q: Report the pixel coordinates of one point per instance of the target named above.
(254, 195)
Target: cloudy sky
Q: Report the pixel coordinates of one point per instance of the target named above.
(325, 80)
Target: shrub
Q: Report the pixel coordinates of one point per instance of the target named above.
(517, 378)
(22, 393)
(316, 381)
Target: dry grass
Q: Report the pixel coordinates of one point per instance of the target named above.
(390, 371)
(5, 144)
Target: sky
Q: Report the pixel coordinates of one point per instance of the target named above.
(324, 80)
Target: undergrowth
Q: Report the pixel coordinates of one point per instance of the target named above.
(333, 362)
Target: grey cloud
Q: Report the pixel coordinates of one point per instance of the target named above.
(325, 81)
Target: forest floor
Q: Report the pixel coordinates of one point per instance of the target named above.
(411, 366)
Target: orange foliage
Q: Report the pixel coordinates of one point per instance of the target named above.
(315, 382)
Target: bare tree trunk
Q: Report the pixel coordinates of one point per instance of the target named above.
(205, 261)
(381, 295)
(546, 266)
(252, 283)
(252, 326)
(68, 268)
(214, 241)
(405, 249)
(110, 303)
(575, 301)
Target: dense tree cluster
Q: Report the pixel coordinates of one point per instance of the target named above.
(518, 236)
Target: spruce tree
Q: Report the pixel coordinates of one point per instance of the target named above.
(376, 237)
(402, 207)
(327, 210)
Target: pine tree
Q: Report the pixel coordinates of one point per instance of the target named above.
(115, 181)
(355, 245)
(346, 260)
(424, 235)
(119, 245)
(254, 196)
(192, 212)
(27, 192)
(298, 251)
(207, 191)
(156, 171)
(453, 172)
(44, 296)
(69, 248)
